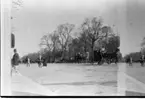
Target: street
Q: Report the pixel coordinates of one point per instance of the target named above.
(82, 79)
(74, 79)
(136, 71)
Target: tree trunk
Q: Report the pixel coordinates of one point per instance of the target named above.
(69, 54)
(92, 54)
(63, 53)
(54, 55)
(85, 47)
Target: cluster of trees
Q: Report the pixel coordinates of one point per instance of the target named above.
(92, 35)
(136, 55)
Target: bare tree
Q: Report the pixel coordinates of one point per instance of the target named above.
(84, 37)
(75, 46)
(95, 31)
(54, 39)
(46, 42)
(64, 33)
(93, 28)
(16, 4)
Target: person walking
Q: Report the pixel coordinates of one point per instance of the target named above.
(28, 62)
(15, 61)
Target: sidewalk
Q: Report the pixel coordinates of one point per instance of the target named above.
(22, 85)
(130, 81)
(134, 87)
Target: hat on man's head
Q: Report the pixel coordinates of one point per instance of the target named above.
(15, 50)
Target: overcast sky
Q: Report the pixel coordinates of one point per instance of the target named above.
(38, 17)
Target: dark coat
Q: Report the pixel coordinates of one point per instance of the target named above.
(40, 61)
(142, 58)
(44, 62)
(97, 56)
(15, 59)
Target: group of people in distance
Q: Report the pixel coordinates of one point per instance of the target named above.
(129, 60)
(100, 56)
(41, 61)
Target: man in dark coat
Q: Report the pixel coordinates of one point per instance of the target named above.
(44, 62)
(15, 61)
(98, 56)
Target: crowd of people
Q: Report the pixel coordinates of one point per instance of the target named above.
(41, 61)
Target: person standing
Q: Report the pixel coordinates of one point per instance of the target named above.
(15, 61)
(45, 62)
(142, 59)
(28, 62)
(40, 60)
(130, 62)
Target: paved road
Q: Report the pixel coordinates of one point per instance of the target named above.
(136, 71)
(135, 84)
(84, 79)
(74, 79)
